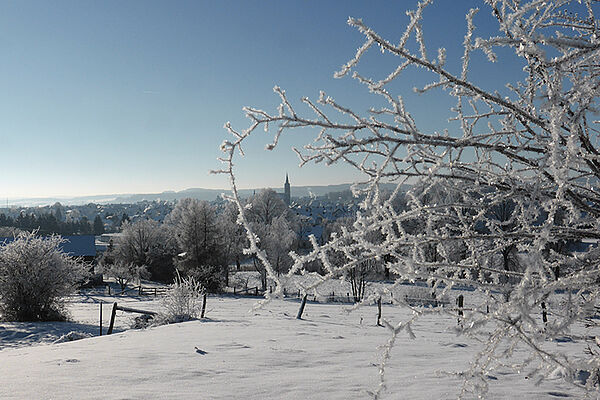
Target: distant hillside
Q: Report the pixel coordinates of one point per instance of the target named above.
(197, 193)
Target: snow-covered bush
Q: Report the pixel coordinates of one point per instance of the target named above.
(513, 175)
(35, 276)
(182, 302)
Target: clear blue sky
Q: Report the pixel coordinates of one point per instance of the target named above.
(131, 96)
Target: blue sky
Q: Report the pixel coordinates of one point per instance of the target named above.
(120, 97)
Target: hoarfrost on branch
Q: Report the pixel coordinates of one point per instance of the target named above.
(511, 182)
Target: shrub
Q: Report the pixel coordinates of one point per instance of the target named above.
(35, 275)
(183, 301)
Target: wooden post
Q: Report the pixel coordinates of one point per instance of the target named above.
(203, 305)
(100, 318)
(140, 290)
(379, 311)
(256, 291)
(108, 290)
(154, 292)
(112, 318)
(460, 301)
(544, 314)
(302, 305)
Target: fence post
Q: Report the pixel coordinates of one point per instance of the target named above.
(154, 292)
(379, 311)
(112, 318)
(203, 305)
(140, 290)
(301, 310)
(100, 318)
(256, 291)
(460, 302)
(544, 314)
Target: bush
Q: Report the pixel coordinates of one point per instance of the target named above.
(183, 301)
(35, 275)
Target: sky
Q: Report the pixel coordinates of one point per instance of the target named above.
(131, 97)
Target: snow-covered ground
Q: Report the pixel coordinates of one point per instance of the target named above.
(237, 353)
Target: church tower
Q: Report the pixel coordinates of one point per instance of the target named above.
(287, 196)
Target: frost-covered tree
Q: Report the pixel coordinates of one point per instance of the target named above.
(193, 223)
(145, 242)
(275, 225)
(278, 238)
(124, 273)
(532, 142)
(267, 205)
(35, 277)
(233, 237)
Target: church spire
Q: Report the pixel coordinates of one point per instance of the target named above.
(287, 195)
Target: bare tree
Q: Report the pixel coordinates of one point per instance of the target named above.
(124, 273)
(533, 142)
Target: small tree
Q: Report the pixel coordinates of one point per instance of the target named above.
(35, 275)
(124, 273)
(98, 226)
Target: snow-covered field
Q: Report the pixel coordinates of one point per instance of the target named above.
(237, 353)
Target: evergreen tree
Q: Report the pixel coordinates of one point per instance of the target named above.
(98, 226)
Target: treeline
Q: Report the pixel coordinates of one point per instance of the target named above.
(199, 239)
(47, 224)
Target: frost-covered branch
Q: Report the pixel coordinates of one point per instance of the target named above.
(499, 201)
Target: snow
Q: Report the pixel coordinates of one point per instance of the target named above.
(235, 353)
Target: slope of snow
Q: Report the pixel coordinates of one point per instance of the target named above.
(264, 354)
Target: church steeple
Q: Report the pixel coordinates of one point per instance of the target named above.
(287, 197)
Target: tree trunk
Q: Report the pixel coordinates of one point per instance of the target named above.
(203, 305)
